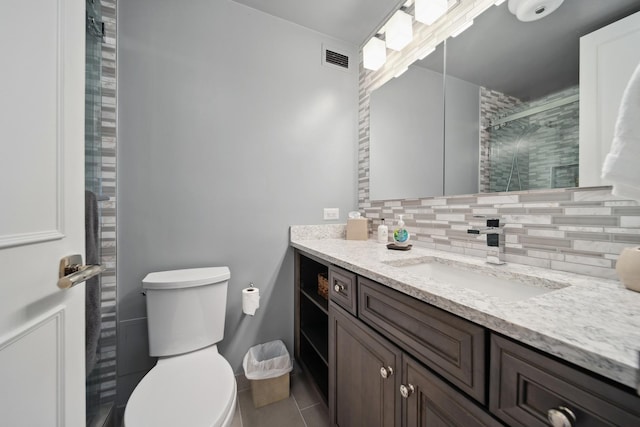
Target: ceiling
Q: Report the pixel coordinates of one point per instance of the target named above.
(353, 21)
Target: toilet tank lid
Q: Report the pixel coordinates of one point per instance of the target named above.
(185, 278)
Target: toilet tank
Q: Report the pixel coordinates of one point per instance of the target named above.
(185, 309)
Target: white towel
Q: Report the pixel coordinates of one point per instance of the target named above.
(622, 165)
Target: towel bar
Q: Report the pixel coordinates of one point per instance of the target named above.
(73, 272)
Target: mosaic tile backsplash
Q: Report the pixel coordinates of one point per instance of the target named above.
(579, 230)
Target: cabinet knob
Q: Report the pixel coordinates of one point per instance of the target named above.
(561, 417)
(386, 372)
(406, 390)
(337, 286)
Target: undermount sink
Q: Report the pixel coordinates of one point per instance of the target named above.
(472, 277)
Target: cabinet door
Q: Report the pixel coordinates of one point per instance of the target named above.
(432, 403)
(359, 361)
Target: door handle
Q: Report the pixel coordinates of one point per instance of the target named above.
(72, 271)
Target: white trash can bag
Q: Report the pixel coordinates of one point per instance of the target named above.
(268, 360)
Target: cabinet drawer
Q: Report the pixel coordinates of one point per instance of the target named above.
(342, 289)
(449, 345)
(526, 384)
(434, 403)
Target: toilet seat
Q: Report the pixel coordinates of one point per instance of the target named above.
(194, 389)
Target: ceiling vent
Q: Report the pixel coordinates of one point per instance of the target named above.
(331, 57)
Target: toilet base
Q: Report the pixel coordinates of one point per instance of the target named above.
(227, 422)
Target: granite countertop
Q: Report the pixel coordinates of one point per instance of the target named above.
(591, 322)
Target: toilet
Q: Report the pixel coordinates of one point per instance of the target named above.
(191, 384)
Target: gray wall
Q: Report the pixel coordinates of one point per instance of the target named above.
(230, 130)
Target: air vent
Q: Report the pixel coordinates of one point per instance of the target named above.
(336, 58)
(333, 58)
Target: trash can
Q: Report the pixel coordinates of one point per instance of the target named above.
(267, 368)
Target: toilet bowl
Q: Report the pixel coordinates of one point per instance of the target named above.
(195, 389)
(192, 384)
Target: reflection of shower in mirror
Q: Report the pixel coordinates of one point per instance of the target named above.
(526, 131)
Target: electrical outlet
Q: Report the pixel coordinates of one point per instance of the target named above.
(331, 213)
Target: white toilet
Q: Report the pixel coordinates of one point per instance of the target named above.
(191, 385)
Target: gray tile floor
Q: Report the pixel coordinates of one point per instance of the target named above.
(303, 408)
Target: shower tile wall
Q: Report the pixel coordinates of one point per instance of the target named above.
(106, 365)
(492, 103)
(580, 230)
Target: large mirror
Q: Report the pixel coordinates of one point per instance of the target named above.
(510, 110)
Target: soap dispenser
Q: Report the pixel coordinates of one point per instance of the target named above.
(383, 233)
(401, 234)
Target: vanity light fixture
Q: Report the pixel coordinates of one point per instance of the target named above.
(429, 11)
(374, 54)
(399, 30)
(462, 28)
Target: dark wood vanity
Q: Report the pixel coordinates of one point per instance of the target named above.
(393, 360)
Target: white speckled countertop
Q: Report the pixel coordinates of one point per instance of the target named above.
(591, 322)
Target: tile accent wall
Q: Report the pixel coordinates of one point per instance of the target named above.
(577, 230)
(105, 384)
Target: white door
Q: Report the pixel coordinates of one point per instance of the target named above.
(608, 57)
(41, 212)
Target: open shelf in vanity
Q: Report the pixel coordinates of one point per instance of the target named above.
(311, 321)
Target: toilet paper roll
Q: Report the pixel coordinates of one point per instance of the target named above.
(250, 300)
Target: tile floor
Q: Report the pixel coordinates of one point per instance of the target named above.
(303, 408)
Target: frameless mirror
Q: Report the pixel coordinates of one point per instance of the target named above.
(511, 106)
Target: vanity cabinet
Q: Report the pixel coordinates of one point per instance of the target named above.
(393, 360)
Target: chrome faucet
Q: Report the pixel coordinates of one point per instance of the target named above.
(495, 240)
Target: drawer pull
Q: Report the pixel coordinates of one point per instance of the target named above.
(561, 417)
(337, 286)
(386, 372)
(406, 390)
